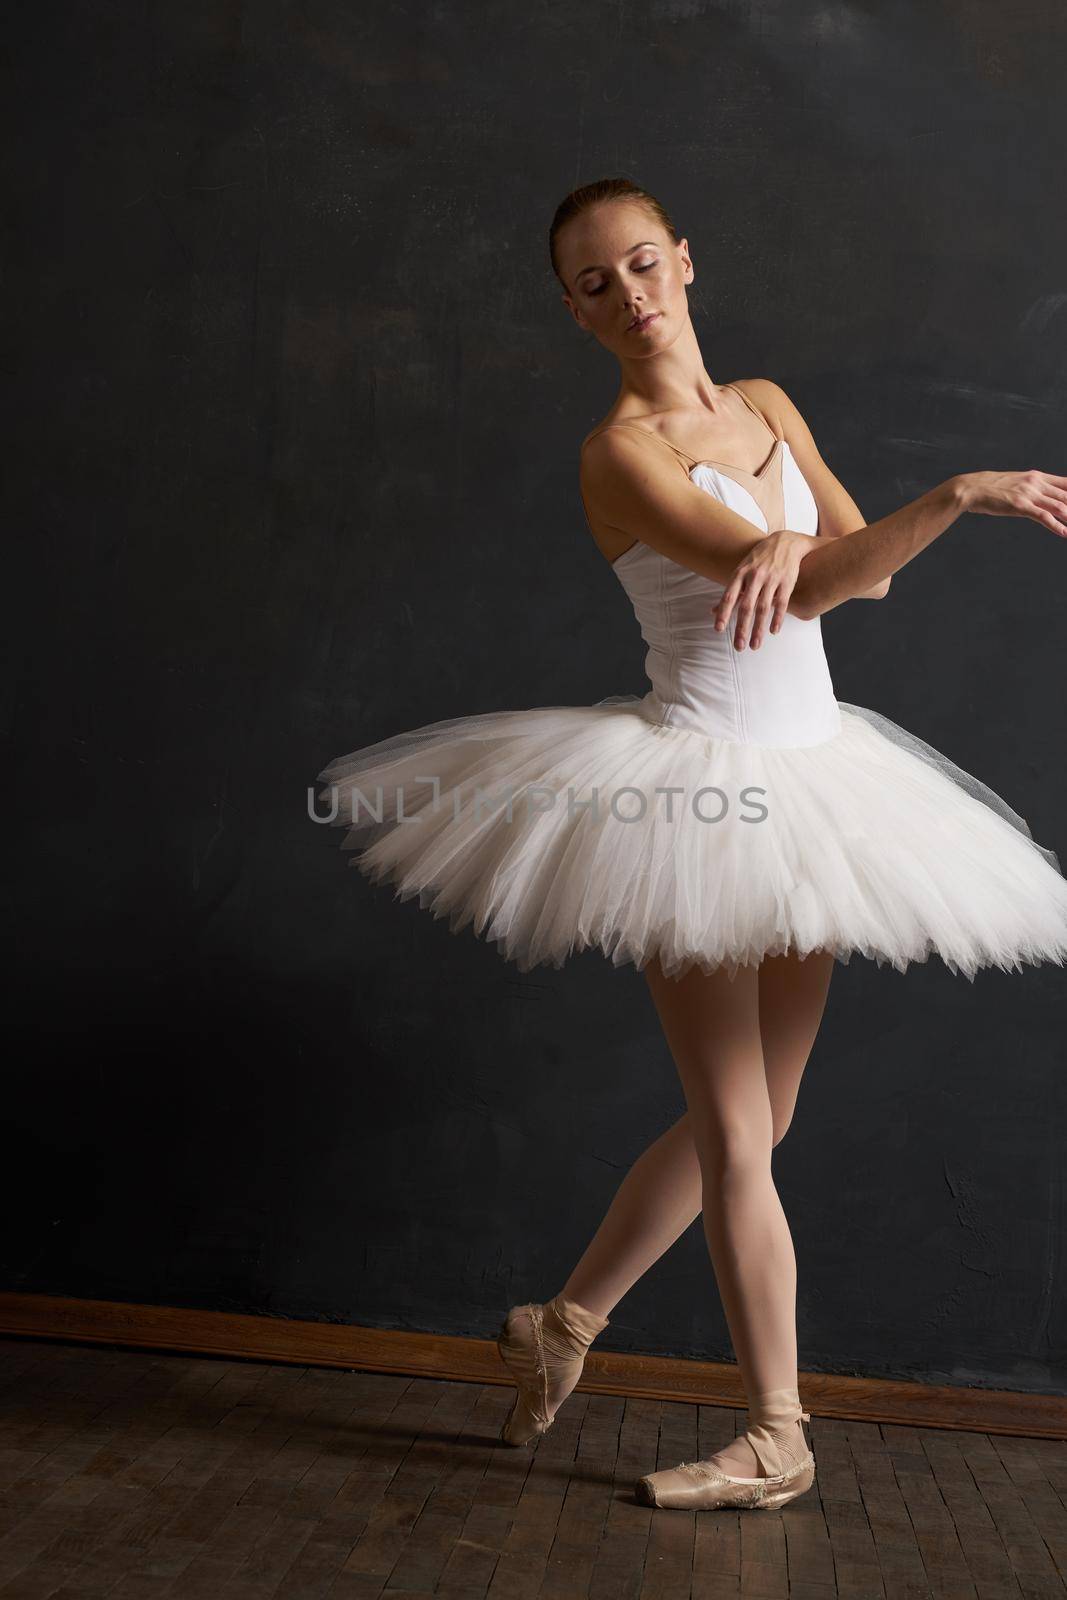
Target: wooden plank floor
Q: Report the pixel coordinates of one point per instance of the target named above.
(138, 1475)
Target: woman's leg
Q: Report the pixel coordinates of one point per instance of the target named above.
(660, 1197)
(792, 1000)
(713, 1027)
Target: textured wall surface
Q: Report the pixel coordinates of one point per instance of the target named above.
(292, 465)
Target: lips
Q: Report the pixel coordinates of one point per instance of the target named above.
(642, 322)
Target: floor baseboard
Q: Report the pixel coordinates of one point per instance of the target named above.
(426, 1355)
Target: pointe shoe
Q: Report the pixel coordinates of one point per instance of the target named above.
(788, 1464)
(543, 1347)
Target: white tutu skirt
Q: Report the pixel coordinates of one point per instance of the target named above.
(695, 849)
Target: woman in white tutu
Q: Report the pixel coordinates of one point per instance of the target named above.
(731, 833)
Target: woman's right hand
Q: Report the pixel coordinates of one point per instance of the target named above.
(1041, 496)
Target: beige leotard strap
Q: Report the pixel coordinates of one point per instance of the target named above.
(649, 434)
(754, 408)
(684, 454)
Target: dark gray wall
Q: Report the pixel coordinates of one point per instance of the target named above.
(292, 465)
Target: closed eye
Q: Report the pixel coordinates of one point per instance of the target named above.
(647, 266)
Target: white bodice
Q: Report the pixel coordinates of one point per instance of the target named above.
(780, 694)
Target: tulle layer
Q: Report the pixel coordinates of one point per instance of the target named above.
(560, 828)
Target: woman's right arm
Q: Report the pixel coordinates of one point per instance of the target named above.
(639, 489)
(834, 572)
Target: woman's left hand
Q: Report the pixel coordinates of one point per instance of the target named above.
(761, 586)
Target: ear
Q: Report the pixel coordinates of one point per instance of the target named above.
(573, 309)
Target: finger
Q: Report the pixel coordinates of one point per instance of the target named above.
(1051, 491)
(745, 610)
(781, 603)
(1052, 514)
(759, 620)
(736, 592)
(726, 604)
(763, 611)
(724, 609)
(1053, 505)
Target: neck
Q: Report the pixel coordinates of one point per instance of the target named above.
(674, 380)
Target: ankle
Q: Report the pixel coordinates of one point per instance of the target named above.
(578, 1323)
(774, 1430)
(587, 1317)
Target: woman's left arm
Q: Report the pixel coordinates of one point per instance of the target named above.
(838, 512)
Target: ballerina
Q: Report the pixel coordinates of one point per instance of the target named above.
(731, 833)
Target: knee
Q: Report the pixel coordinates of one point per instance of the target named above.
(735, 1151)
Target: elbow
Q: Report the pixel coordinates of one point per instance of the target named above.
(877, 591)
(802, 603)
(806, 603)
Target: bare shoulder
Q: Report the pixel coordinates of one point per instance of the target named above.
(768, 397)
(613, 464)
(608, 451)
(601, 454)
(598, 428)
(780, 410)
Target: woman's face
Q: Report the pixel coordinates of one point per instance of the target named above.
(618, 265)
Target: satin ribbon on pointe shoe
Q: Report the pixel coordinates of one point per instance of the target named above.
(788, 1463)
(543, 1346)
